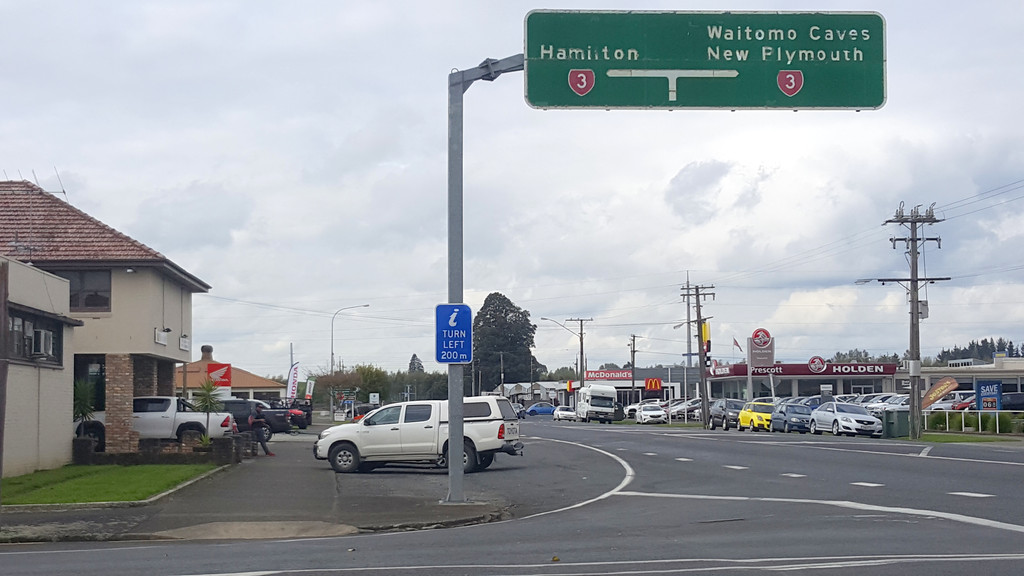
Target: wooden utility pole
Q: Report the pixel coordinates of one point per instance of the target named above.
(704, 360)
(914, 222)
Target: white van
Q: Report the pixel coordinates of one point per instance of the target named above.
(596, 402)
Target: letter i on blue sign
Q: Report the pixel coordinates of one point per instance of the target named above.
(454, 324)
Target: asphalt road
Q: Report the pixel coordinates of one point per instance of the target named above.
(596, 499)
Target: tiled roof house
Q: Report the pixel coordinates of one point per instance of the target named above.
(244, 384)
(134, 303)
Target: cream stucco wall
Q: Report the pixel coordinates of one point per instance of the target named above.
(143, 303)
(39, 423)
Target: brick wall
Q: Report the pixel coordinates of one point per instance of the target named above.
(120, 437)
(165, 379)
(144, 377)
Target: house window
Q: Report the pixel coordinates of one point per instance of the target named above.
(90, 289)
(35, 337)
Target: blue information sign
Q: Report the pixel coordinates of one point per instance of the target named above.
(454, 334)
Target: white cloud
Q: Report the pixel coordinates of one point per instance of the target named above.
(295, 156)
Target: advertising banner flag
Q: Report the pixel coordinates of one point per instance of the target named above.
(309, 388)
(938, 390)
(293, 380)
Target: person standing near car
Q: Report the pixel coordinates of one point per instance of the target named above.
(259, 426)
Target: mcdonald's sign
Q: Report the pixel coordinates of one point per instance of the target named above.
(652, 384)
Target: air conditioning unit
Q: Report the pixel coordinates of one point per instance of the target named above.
(42, 343)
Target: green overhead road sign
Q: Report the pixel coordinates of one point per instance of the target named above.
(731, 60)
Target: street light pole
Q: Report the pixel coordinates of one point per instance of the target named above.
(582, 368)
(332, 330)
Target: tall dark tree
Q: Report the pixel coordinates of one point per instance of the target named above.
(415, 364)
(503, 342)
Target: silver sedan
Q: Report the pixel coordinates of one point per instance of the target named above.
(842, 418)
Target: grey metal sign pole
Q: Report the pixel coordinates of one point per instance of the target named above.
(458, 82)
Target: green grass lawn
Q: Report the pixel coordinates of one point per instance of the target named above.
(78, 484)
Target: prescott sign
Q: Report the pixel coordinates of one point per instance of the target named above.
(731, 60)
(812, 368)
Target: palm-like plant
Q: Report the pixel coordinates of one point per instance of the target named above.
(206, 400)
(83, 403)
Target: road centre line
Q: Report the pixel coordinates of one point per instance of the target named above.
(867, 484)
(971, 494)
(845, 504)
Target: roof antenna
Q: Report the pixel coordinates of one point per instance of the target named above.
(36, 178)
(61, 182)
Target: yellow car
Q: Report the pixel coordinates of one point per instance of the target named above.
(756, 415)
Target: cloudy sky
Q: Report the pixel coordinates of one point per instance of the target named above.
(294, 156)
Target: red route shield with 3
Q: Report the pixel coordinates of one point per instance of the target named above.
(790, 81)
(581, 81)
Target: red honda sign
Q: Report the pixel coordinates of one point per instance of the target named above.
(220, 374)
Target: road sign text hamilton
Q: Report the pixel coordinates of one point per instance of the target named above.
(704, 60)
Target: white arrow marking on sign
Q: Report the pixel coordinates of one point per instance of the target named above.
(672, 76)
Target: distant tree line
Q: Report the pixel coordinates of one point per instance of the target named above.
(503, 352)
(983, 350)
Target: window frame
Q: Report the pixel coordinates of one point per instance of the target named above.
(81, 282)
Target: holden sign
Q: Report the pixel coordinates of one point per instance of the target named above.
(761, 349)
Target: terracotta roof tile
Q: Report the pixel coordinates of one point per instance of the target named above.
(38, 227)
(240, 379)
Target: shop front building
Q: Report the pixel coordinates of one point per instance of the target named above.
(807, 379)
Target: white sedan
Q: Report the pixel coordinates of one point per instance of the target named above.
(842, 418)
(650, 414)
(563, 413)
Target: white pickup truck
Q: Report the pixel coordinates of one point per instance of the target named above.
(163, 417)
(418, 432)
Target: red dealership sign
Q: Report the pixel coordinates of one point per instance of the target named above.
(219, 373)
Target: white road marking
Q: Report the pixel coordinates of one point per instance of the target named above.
(736, 467)
(926, 450)
(794, 475)
(684, 460)
(650, 453)
(846, 504)
(971, 494)
(867, 484)
(630, 474)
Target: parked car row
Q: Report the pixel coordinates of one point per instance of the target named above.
(840, 418)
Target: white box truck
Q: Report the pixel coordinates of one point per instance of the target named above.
(596, 402)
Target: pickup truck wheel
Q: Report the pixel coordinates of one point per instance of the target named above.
(267, 433)
(486, 460)
(95, 431)
(344, 458)
(469, 458)
(187, 428)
